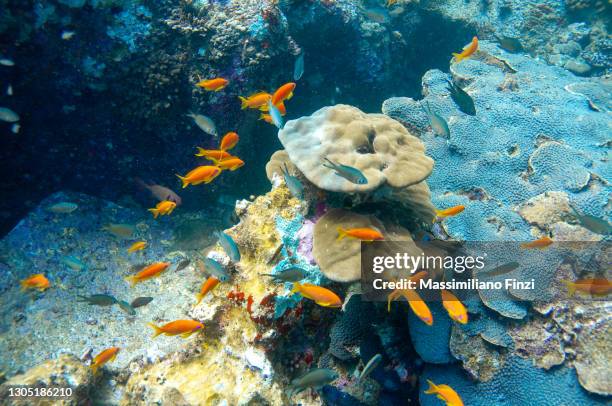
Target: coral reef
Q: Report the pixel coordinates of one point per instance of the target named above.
(495, 161)
(519, 174)
(533, 158)
(572, 34)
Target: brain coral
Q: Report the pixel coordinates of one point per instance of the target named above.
(380, 147)
(340, 261)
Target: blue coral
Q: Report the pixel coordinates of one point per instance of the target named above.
(519, 382)
(288, 231)
(520, 144)
(431, 342)
(131, 26)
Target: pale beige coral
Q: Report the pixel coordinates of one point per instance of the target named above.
(222, 373)
(481, 360)
(594, 351)
(380, 147)
(341, 260)
(276, 164)
(415, 198)
(223, 365)
(546, 209)
(256, 233)
(65, 371)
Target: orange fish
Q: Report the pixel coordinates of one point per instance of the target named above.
(232, 163)
(183, 327)
(593, 286)
(418, 306)
(266, 117)
(540, 243)
(255, 101)
(163, 208)
(281, 108)
(37, 281)
(321, 296)
(229, 141)
(456, 310)
(213, 153)
(467, 51)
(452, 211)
(201, 174)
(215, 84)
(363, 234)
(207, 286)
(444, 392)
(148, 272)
(105, 356)
(137, 246)
(285, 92)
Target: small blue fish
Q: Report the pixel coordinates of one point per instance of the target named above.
(438, 124)
(277, 118)
(298, 69)
(63, 207)
(292, 274)
(126, 307)
(369, 367)
(229, 246)
(98, 300)
(216, 269)
(73, 263)
(293, 183)
(349, 173)
(501, 270)
(461, 98)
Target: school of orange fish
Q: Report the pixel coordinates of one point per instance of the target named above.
(223, 160)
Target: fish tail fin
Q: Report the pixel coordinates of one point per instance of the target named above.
(141, 183)
(199, 298)
(155, 212)
(185, 181)
(131, 280)
(439, 213)
(200, 151)
(432, 388)
(296, 287)
(328, 164)
(341, 234)
(458, 57)
(391, 298)
(157, 329)
(24, 286)
(94, 368)
(215, 161)
(571, 287)
(244, 102)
